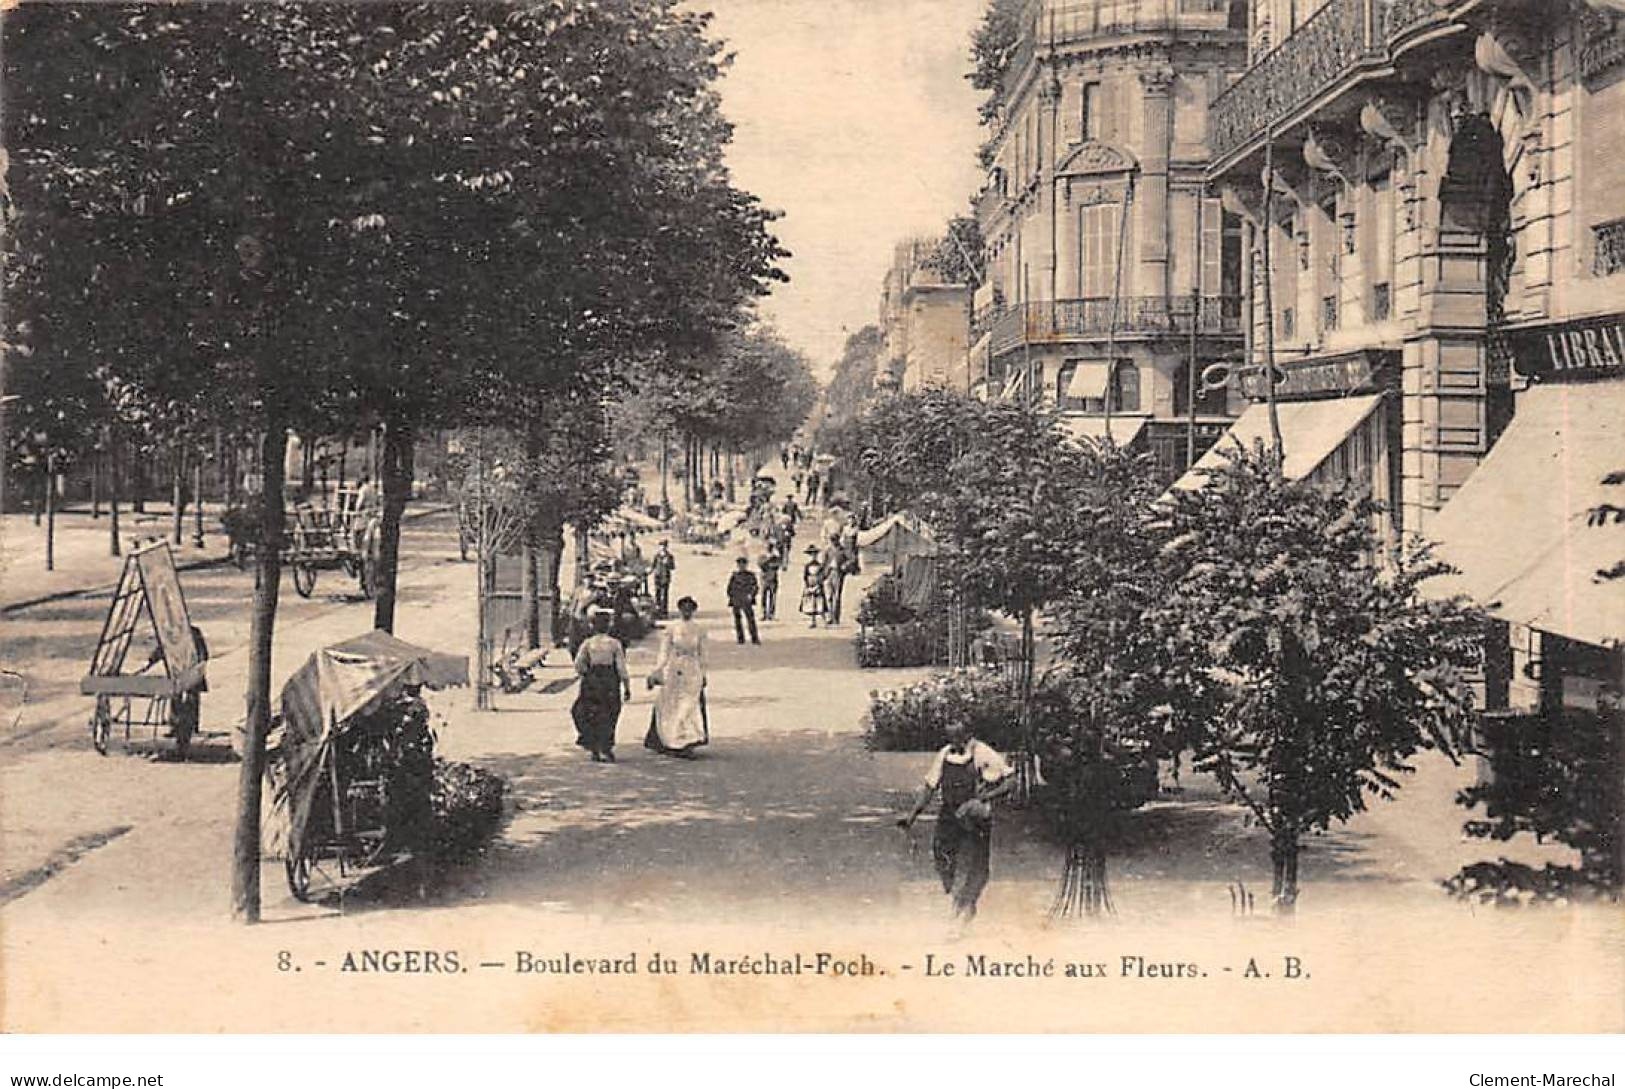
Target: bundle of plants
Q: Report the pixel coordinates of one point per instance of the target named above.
(466, 807)
(914, 718)
(1096, 768)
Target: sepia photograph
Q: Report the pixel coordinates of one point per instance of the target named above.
(562, 517)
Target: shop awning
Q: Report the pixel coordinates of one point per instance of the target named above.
(1538, 530)
(1125, 429)
(1088, 381)
(1310, 432)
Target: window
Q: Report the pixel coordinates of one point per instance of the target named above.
(1097, 249)
(1091, 111)
(1382, 247)
(1289, 323)
(1128, 388)
(1608, 256)
(1382, 302)
(1212, 246)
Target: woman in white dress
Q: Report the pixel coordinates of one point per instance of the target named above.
(679, 726)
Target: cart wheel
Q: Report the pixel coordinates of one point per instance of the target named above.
(304, 579)
(184, 718)
(101, 725)
(299, 877)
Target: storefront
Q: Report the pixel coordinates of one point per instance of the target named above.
(1339, 422)
(1538, 530)
(1537, 534)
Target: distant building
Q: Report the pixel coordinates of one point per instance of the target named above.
(924, 320)
(1099, 149)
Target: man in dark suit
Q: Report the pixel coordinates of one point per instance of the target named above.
(742, 590)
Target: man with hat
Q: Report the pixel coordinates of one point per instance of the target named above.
(742, 590)
(663, 564)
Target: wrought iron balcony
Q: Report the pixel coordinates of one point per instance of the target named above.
(1091, 319)
(1336, 42)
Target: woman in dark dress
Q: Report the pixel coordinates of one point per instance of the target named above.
(605, 683)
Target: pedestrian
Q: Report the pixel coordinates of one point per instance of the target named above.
(849, 545)
(742, 591)
(829, 489)
(678, 724)
(812, 486)
(662, 565)
(796, 478)
(784, 456)
(834, 582)
(812, 587)
(581, 604)
(771, 562)
(632, 561)
(970, 775)
(605, 683)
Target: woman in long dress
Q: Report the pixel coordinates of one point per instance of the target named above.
(813, 602)
(679, 723)
(601, 662)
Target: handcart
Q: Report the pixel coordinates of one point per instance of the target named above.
(349, 771)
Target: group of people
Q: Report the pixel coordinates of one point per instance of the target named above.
(966, 774)
(678, 724)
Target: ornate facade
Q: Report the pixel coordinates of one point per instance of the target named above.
(1096, 160)
(1433, 198)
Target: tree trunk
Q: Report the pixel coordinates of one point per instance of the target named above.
(583, 564)
(1284, 866)
(197, 503)
(728, 465)
(114, 478)
(49, 503)
(177, 481)
(95, 486)
(245, 862)
(529, 584)
(665, 473)
(45, 486)
(307, 469)
(344, 458)
(137, 479)
(397, 486)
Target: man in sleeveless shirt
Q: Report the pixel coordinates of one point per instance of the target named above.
(970, 775)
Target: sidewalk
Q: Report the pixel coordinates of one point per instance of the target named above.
(81, 551)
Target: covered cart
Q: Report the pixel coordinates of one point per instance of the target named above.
(350, 773)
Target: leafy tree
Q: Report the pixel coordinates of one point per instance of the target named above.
(1120, 687)
(959, 255)
(1555, 776)
(994, 45)
(1335, 670)
(851, 387)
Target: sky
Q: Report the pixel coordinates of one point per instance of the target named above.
(854, 119)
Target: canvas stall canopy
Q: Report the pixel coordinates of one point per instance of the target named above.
(893, 540)
(336, 685)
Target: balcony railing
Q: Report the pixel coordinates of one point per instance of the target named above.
(1337, 40)
(1137, 316)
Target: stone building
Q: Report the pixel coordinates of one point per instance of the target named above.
(1439, 186)
(923, 319)
(1097, 152)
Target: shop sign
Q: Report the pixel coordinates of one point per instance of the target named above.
(1576, 349)
(1340, 375)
